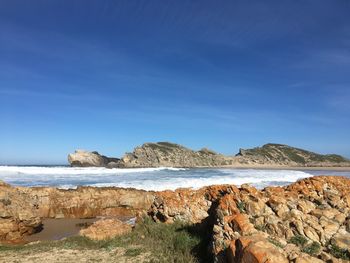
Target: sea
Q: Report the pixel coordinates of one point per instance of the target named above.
(163, 178)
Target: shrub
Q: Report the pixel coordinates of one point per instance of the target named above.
(132, 252)
(241, 207)
(312, 249)
(298, 240)
(339, 252)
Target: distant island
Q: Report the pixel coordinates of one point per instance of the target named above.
(166, 154)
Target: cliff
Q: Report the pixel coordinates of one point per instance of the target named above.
(165, 154)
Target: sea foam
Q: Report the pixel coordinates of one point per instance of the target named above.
(145, 178)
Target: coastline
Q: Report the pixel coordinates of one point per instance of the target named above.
(222, 211)
(276, 167)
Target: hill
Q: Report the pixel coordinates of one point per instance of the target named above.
(166, 154)
(280, 154)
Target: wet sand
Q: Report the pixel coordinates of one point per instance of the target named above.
(56, 229)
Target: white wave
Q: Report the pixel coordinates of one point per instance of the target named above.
(78, 170)
(145, 178)
(257, 178)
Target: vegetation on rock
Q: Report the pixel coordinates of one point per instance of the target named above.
(339, 252)
(298, 240)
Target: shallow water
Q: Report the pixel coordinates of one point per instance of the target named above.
(56, 229)
(151, 178)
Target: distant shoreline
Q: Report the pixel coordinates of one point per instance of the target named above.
(275, 167)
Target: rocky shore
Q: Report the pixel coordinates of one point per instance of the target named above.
(165, 154)
(307, 221)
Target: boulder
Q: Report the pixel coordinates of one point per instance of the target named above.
(17, 214)
(241, 224)
(300, 218)
(106, 229)
(255, 249)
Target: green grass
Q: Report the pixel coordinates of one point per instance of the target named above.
(241, 207)
(275, 242)
(164, 147)
(260, 227)
(339, 252)
(301, 241)
(168, 144)
(292, 155)
(178, 242)
(298, 240)
(312, 249)
(132, 252)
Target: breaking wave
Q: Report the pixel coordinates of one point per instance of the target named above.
(156, 179)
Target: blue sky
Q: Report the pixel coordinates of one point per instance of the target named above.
(110, 75)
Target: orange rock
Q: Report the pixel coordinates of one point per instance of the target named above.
(261, 252)
(17, 214)
(106, 229)
(254, 249)
(241, 224)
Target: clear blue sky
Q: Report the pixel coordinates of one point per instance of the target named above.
(110, 75)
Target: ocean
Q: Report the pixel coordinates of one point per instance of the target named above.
(151, 178)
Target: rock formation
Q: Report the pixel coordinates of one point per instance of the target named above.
(307, 221)
(165, 154)
(17, 214)
(22, 208)
(81, 158)
(280, 154)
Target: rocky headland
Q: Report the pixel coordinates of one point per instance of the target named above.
(165, 154)
(307, 221)
(81, 158)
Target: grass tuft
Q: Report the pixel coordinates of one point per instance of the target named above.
(275, 242)
(298, 240)
(339, 252)
(312, 249)
(241, 207)
(133, 252)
